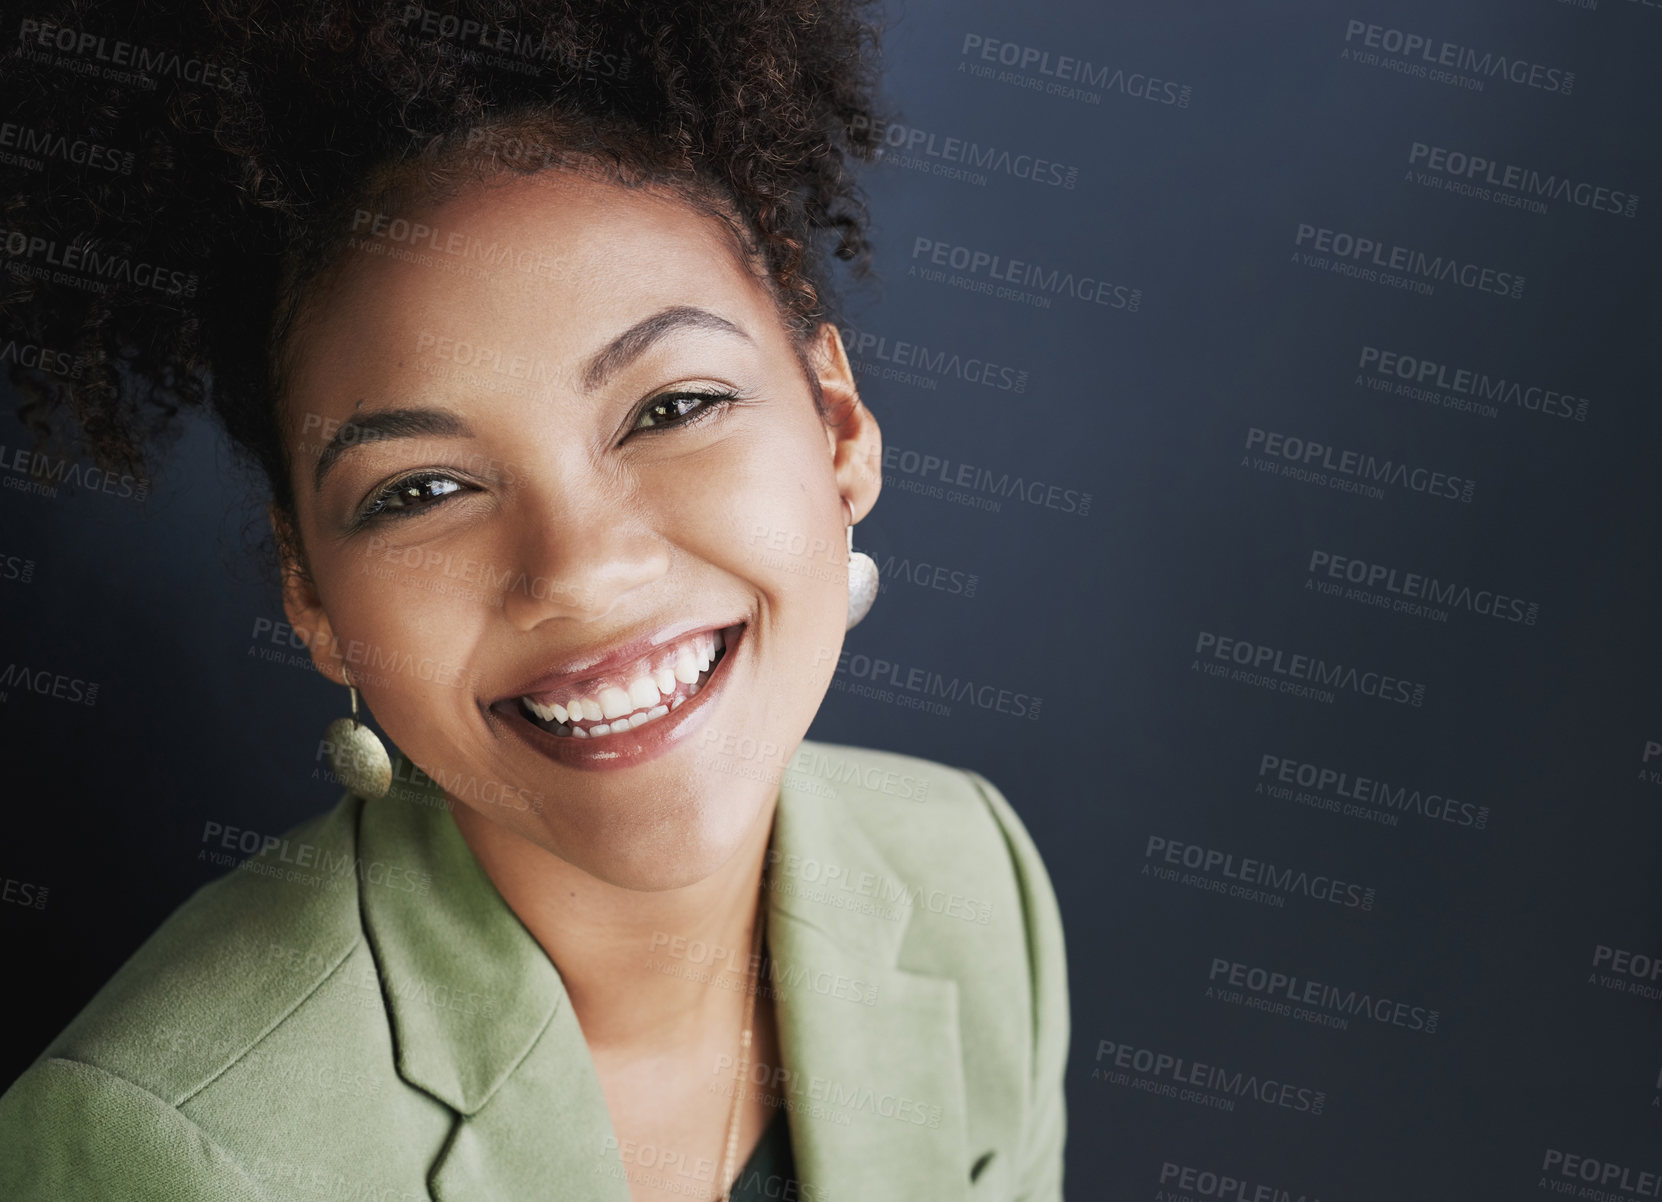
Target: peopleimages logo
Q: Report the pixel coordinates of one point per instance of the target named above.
(466, 248)
(1294, 667)
(1414, 593)
(1167, 1072)
(40, 358)
(1626, 971)
(86, 267)
(1345, 253)
(505, 46)
(921, 365)
(1309, 461)
(47, 684)
(19, 142)
(1443, 62)
(15, 567)
(1205, 1183)
(839, 770)
(1015, 279)
(1020, 59)
(1283, 993)
(1423, 379)
(927, 683)
(1249, 874)
(118, 61)
(488, 359)
(266, 852)
(975, 487)
(960, 158)
(1277, 775)
(1519, 187)
(40, 472)
(1566, 1168)
(1652, 749)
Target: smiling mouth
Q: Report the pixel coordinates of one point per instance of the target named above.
(635, 696)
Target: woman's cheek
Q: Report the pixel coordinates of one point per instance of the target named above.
(409, 647)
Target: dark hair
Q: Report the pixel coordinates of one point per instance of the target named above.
(200, 166)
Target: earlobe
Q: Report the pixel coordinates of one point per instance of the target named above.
(855, 439)
(302, 605)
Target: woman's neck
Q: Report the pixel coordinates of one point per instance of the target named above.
(645, 971)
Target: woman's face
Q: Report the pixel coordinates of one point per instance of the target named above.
(551, 441)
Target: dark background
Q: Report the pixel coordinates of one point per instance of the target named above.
(1197, 204)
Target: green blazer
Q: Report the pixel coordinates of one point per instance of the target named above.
(355, 1013)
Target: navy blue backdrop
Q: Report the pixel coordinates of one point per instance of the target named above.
(1270, 398)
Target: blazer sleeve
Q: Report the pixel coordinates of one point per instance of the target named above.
(71, 1132)
(1038, 1170)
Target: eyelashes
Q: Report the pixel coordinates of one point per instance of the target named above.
(405, 496)
(666, 408)
(423, 491)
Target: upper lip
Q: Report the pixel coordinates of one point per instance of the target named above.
(618, 655)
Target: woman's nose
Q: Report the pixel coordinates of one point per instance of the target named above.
(576, 560)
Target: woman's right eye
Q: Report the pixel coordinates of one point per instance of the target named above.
(410, 495)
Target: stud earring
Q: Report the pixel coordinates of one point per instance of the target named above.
(357, 755)
(862, 576)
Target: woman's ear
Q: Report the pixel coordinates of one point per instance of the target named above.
(301, 602)
(855, 439)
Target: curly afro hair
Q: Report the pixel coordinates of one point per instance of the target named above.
(181, 171)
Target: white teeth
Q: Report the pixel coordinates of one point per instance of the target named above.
(648, 696)
(545, 712)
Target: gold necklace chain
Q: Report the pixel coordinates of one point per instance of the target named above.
(742, 1065)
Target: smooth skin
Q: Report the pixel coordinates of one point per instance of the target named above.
(550, 522)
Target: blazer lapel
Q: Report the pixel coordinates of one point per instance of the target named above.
(872, 1058)
(871, 1052)
(480, 1017)
(545, 1134)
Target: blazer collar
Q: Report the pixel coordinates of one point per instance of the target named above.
(872, 1053)
(873, 1063)
(468, 988)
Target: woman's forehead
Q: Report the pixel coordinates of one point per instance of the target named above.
(549, 263)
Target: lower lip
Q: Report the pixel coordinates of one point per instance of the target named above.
(631, 747)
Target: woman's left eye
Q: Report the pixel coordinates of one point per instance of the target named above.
(413, 493)
(672, 408)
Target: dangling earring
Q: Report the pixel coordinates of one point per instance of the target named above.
(862, 576)
(357, 755)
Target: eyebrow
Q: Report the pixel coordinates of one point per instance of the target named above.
(387, 423)
(634, 342)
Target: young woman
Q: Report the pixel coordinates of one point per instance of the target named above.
(523, 311)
